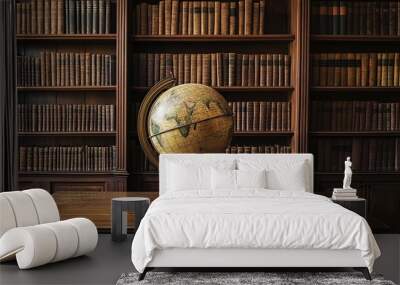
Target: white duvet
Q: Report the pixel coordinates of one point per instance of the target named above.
(250, 219)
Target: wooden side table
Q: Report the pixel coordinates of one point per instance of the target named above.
(357, 205)
(119, 208)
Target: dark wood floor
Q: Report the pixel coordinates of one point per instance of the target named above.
(103, 266)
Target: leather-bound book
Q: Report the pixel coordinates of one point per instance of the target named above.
(238, 117)
(78, 65)
(279, 116)
(323, 16)
(379, 70)
(225, 68)
(267, 116)
(245, 70)
(275, 70)
(193, 69)
(349, 17)
(53, 78)
(263, 69)
(262, 18)
(196, 17)
(37, 70)
(149, 18)
(181, 68)
(256, 17)
(198, 68)
(78, 17)
(108, 16)
(337, 69)
(89, 16)
(248, 16)
(249, 116)
(238, 69)
(385, 16)
(224, 18)
(161, 17)
(190, 18)
(244, 116)
(174, 17)
(256, 116)
(150, 69)
(358, 69)
(88, 69)
(185, 14)
(281, 70)
(342, 17)
(217, 18)
(143, 18)
(102, 16)
(363, 18)
(273, 116)
(241, 17)
(220, 77)
(315, 67)
(372, 69)
(263, 119)
(154, 20)
(175, 66)
(251, 70)
(47, 68)
(168, 20)
(187, 68)
(330, 66)
(257, 70)
(351, 75)
(18, 7)
(335, 17)
(364, 69)
(232, 18)
(269, 70)
(33, 22)
(287, 70)
(396, 73)
(60, 17)
(206, 72)
(385, 66)
(231, 69)
(211, 17)
(213, 69)
(162, 65)
(47, 17)
(168, 65)
(323, 72)
(137, 19)
(204, 17)
(390, 68)
(370, 18)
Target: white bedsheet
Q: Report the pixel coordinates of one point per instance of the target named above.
(250, 219)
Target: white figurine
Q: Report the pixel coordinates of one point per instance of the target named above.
(347, 174)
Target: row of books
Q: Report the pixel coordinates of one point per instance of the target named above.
(356, 69)
(63, 17)
(255, 116)
(66, 118)
(66, 69)
(215, 69)
(174, 17)
(367, 154)
(355, 116)
(348, 17)
(67, 158)
(277, 148)
(139, 161)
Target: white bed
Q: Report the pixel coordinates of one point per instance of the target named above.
(248, 227)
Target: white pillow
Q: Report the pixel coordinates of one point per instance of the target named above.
(191, 176)
(281, 174)
(226, 179)
(223, 179)
(251, 179)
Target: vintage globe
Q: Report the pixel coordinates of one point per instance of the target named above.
(190, 118)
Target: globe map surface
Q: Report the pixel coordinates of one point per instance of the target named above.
(190, 118)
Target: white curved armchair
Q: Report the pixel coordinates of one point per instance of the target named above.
(31, 230)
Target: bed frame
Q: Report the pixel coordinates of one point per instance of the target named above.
(242, 259)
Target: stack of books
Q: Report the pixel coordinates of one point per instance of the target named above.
(344, 194)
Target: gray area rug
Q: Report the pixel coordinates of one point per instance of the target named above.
(243, 278)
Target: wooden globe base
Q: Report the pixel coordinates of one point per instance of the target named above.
(148, 100)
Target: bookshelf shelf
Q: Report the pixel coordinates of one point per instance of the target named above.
(356, 173)
(211, 38)
(237, 89)
(66, 134)
(354, 38)
(355, 134)
(68, 89)
(262, 134)
(60, 173)
(355, 89)
(67, 37)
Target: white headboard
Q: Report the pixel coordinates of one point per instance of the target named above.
(211, 158)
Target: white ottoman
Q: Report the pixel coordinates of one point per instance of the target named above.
(31, 232)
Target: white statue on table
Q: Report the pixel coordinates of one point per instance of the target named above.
(347, 174)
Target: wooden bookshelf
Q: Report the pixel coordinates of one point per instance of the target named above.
(375, 154)
(287, 30)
